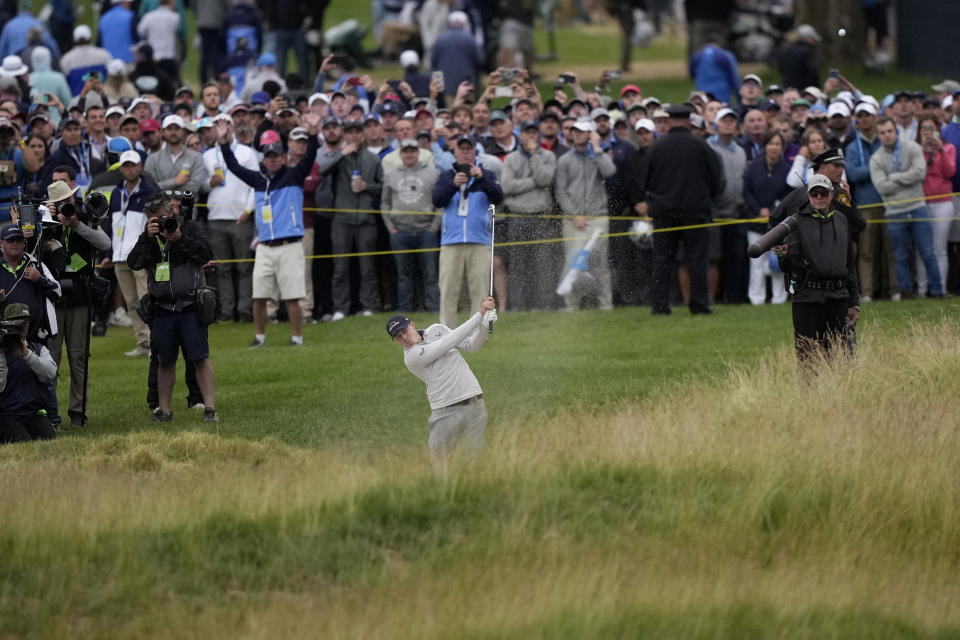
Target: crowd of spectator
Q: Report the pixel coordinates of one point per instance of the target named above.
(417, 164)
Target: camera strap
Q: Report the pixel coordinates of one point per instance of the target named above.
(162, 271)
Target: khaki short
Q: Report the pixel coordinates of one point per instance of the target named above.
(278, 272)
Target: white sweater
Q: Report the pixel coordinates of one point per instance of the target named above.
(437, 361)
(234, 196)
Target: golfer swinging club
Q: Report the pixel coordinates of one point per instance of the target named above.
(457, 411)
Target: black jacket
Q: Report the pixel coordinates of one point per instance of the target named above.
(798, 66)
(798, 199)
(62, 157)
(681, 176)
(821, 249)
(186, 257)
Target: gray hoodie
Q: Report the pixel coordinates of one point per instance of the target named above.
(579, 182)
(410, 190)
(527, 181)
(906, 183)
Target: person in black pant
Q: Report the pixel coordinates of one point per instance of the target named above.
(680, 177)
(26, 371)
(818, 255)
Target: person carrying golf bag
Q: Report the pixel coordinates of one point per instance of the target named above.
(465, 194)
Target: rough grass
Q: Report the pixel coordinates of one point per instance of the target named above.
(739, 504)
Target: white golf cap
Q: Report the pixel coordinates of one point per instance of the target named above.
(322, 97)
(645, 123)
(223, 116)
(806, 31)
(583, 125)
(82, 33)
(646, 102)
(871, 100)
(754, 77)
(171, 120)
(947, 103)
(865, 107)
(116, 67)
(115, 109)
(129, 156)
(726, 111)
(599, 112)
(458, 17)
(141, 100)
(819, 180)
(815, 92)
(838, 109)
(409, 58)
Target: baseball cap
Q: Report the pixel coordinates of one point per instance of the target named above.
(322, 97)
(204, 123)
(838, 109)
(299, 133)
(646, 102)
(371, 117)
(129, 118)
(353, 124)
(599, 112)
(273, 147)
(331, 120)
(115, 109)
(223, 116)
(627, 89)
(463, 138)
(726, 111)
(549, 114)
(806, 31)
(678, 111)
(583, 125)
(239, 107)
(406, 143)
(660, 113)
(645, 123)
(139, 101)
(82, 33)
(259, 97)
(697, 122)
(267, 60)
(409, 58)
(182, 90)
(129, 156)
(396, 324)
(529, 124)
(269, 136)
(389, 107)
(149, 125)
(11, 231)
(15, 310)
(800, 102)
(902, 93)
(773, 88)
(947, 86)
(947, 103)
(766, 105)
(752, 77)
(423, 134)
(118, 144)
(497, 115)
(173, 120)
(866, 107)
(819, 180)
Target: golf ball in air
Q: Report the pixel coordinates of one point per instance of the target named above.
(841, 32)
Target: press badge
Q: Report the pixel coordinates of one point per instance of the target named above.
(266, 213)
(77, 263)
(162, 274)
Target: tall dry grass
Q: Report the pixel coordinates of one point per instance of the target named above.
(752, 505)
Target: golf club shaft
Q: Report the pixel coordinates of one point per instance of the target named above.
(493, 229)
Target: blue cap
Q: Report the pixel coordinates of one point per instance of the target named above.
(267, 60)
(12, 231)
(260, 97)
(371, 116)
(119, 145)
(396, 324)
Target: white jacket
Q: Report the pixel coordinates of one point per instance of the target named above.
(234, 197)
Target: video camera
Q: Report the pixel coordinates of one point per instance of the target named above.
(11, 333)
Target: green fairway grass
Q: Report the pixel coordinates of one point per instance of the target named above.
(644, 477)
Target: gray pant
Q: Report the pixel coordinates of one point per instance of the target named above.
(231, 241)
(451, 425)
(360, 238)
(73, 328)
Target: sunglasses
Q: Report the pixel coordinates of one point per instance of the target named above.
(819, 193)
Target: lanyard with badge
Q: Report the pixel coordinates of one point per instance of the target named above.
(76, 260)
(83, 177)
(124, 204)
(266, 211)
(162, 271)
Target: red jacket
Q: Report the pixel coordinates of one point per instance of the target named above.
(940, 169)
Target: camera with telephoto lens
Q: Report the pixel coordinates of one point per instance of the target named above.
(11, 335)
(186, 200)
(168, 224)
(28, 210)
(66, 209)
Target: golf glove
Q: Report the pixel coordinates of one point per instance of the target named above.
(489, 317)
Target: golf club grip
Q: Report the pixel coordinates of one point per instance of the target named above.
(490, 328)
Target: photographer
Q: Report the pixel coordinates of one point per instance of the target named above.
(173, 251)
(80, 237)
(23, 279)
(26, 370)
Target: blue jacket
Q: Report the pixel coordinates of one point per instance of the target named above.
(13, 39)
(858, 155)
(119, 26)
(283, 192)
(951, 133)
(474, 228)
(714, 70)
(764, 189)
(456, 54)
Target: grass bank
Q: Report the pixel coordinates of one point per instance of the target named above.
(728, 502)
